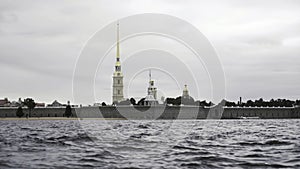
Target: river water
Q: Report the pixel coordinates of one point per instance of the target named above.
(150, 144)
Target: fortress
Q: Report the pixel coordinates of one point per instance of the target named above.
(150, 109)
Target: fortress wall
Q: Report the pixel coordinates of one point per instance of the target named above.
(132, 112)
(142, 112)
(36, 112)
(261, 112)
(296, 112)
(190, 112)
(157, 112)
(109, 112)
(170, 112)
(214, 112)
(89, 112)
(10, 112)
(160, 112)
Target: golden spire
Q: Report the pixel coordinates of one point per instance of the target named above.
(118, 43)
(118, 62)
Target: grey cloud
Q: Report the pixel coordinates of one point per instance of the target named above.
(40, 41)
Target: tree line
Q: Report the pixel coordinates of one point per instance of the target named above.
(30, 104)
(262, 103)
(168, 101)
(190, 101)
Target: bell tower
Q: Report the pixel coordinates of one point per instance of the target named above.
(117, 94)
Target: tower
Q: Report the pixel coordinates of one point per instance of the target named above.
(117, 95)
(151, 89)
(185, 92)
(150, 99)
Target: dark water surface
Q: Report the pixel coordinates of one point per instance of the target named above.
(150, 144)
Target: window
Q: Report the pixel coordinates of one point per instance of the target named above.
(118, 91)
(118, 68)
(118, 81)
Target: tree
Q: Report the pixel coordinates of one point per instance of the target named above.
(20, 112)
(29, 102)
(249, 103)
(211, 104)
(141, 102)
(103, 104)
(173, 101)
(68, 111)
(204, 103)
(132, 101)
(170, 101)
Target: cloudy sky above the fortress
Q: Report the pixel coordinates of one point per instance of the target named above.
(257, 41)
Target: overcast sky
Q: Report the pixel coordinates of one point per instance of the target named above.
(258, 43)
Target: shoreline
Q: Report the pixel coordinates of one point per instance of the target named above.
(80, 119)
(56, 118)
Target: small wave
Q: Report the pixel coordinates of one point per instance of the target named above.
(140, 135)
(267, 143)
(33, 134)
(214, 158)
(104, 154)
(78, 137)
(89, 160)
(296, 160)
(117, 126)
(142, 126)
(54, 126)
(84, 165)
(276, 142)
(184, 147)
(216, 145)
(57, 138)
(257, 150)
(249, 143)
(4, 164)
(64, 140)
(192, 153)
(255, 156)
(199, 128)
(31, 149)
(26, 128)
(194, 137)
(191, 164)
(128, 148)
(263, 165)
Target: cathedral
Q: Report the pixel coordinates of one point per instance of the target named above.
(117, 92)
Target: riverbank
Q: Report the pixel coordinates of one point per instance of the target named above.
(58, 118)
